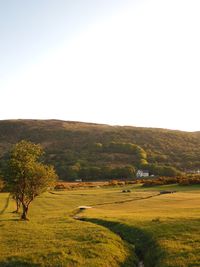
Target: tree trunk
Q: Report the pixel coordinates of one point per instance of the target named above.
(24, 212)
(18, 204)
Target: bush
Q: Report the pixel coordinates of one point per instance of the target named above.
(131, 182)
(185, 180)
(116, 182)
(189, 180)
(60, 187)
(160, 181)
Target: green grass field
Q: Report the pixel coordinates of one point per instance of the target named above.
(162, 230)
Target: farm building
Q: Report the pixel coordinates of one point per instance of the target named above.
(142, 173)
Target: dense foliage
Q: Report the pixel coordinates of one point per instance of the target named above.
(181, 180)
(26, 177)
(92, 151)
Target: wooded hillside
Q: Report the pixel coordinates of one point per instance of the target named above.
(89, 150)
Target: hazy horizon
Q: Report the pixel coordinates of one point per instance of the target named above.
(113, 62)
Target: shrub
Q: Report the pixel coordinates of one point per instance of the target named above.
(60, 187)
(113, 182)
(116, 182)
(160, 181)
(189, 180)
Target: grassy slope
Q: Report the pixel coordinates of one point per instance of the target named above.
(68, 142)
(54, 239)
(165, 226)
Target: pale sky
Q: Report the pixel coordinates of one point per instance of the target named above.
(119, 62)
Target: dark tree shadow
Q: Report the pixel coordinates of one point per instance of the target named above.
(11, 220)
(15, 262)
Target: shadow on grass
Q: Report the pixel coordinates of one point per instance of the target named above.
(16, 262)
(11, 220)
(146, 248)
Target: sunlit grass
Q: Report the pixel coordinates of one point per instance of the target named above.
(51, 238)
(168, 224)
(173, 221)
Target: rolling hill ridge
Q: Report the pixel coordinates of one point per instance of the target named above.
(78, 149)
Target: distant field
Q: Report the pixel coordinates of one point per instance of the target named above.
(163, 230)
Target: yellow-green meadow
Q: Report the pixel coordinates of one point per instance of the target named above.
(121, 228)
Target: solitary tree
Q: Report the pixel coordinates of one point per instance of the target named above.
(27, 177)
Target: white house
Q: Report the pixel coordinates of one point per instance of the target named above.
(142, 173)
(78, 180)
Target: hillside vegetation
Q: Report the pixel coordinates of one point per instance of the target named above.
(86, 150)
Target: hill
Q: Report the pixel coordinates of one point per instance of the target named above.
(89, 150)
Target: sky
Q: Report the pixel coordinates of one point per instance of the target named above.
(118, 62)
